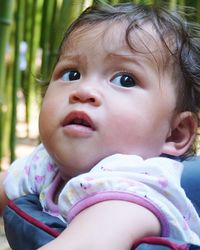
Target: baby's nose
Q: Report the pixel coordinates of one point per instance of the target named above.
(85, 95)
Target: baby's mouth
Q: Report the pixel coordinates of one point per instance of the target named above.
(81, 122)
(78, 118)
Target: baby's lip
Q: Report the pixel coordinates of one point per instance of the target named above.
(78, 118)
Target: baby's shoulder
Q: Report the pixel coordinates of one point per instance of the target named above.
(38, 160)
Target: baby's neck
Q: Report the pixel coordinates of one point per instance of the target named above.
(58, 191)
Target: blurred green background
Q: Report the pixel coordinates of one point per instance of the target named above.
(30, 33)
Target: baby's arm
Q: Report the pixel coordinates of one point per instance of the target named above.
(3, 197)
(113, 225)
(153, 184)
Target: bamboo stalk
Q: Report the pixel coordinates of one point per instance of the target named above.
(68, 11)
(172, 4)
(6, 16)
(16, 74)
(8, 103)
(198, 11)
(31, 61)
(86, 3)
(27, 14)
(48, 15)
(25, 75)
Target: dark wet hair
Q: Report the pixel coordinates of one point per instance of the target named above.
(185, 48)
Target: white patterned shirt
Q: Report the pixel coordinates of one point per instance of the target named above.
(152, 183)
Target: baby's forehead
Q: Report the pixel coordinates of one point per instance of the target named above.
(142, 39)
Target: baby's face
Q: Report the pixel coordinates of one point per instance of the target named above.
(104, 98)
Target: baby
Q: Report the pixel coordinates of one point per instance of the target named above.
(124, 94)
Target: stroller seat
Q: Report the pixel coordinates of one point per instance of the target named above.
(190, 180)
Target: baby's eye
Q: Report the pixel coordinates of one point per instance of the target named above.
(124, 80)
(71, 75)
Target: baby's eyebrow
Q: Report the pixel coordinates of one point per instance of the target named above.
(123, 57)
(72, 57)
(136, 57)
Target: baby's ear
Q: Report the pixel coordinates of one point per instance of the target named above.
(182, 134)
